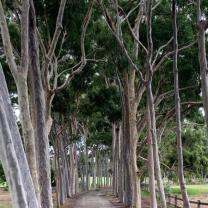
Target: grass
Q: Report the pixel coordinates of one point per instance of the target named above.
(191, 189)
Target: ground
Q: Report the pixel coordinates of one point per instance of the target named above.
(94, 199)
(4, 199)
(99, 199)
(102, 199)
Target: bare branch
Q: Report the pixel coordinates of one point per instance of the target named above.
(61, 46)
(42, 46)
(79, 67)
(53, 44)
(160, 50)
(24, 36)
(168, 94)
(120, 41)
(7, 43)
(70, 69)
(156, 5)
(135, 38)
(57, 30)
(166, 55)
(130, 12)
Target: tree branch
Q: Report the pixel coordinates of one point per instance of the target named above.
(160, 49)
(53, 44)
(7, 43)
(166, 55)
(79, 67)
(24, 36)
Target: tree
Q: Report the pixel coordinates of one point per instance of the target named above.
(186, 202)
(202, 27)
(12, 155)
(19, 73)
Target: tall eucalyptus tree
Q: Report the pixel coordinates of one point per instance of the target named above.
(186, 202)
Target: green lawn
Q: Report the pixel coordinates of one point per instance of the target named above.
(191, 189)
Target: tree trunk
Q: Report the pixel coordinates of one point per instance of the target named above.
(86, 165)
(133, 197)
(39, 107)
(12, 155)
(203, 61)
(126, 143)
(28, 130)
(20, 76)
(186, 203)
(94, 169)
(151, 121)
(151, 165)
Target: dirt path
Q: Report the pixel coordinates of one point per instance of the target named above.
(94, 199)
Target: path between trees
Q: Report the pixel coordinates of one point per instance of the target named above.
(93, 199)
(99, 199)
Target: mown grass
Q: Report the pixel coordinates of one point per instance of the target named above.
(191, 189)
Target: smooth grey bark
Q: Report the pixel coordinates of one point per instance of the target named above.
(202, 60)
(38, 107)
(182, 183)
(19, 73)
(73, 169)
(130, 137)
(95, 169)
(151, 170)
(114, 158)
(12, 155)
(151, 121)
(86, 165)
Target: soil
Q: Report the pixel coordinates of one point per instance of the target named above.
(5, 200)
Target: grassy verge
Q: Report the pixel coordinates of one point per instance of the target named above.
(191, 189)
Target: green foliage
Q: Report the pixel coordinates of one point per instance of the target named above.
(195, 149)
(2, 175)
(103, 100)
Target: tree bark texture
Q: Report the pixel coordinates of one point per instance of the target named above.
(186, 203)
(39, 109)
(131, 185)
(203, 61)
(20, 76)
(12, 155)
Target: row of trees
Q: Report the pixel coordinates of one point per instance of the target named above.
(134, 57)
